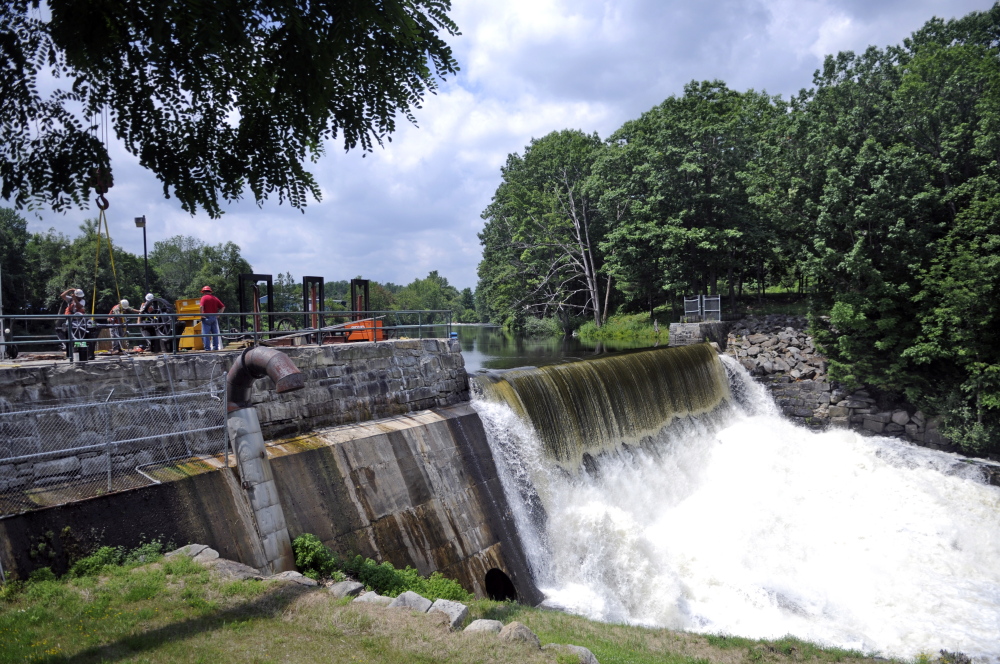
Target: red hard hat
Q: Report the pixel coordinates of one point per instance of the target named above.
(206, 289)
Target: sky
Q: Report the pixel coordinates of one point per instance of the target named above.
(528, 67)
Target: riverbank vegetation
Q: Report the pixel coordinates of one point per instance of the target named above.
(876, 192)
(131, 606)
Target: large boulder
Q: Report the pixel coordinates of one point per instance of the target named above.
(456, 611)
(584, 656)
(346, 589)
(373, 598)
(484, 626)
(411, 600)
(517, 632)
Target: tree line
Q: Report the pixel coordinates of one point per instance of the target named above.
(879, 185)
(36, 267)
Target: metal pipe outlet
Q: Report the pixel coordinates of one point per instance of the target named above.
(255, 363)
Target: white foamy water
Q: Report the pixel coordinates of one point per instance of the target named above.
(748, 525)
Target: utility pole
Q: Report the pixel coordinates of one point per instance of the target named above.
(140, 222)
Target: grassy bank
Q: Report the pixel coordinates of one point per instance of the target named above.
(179, 611)
(630, 327)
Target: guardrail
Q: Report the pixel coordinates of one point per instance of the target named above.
(80, 337)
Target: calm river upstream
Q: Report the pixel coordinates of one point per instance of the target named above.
(489, 347)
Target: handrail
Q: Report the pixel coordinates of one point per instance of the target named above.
(38, 331)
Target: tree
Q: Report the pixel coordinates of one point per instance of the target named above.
(212, 97)
(184, 264)
(13, 272)
(673, 186)
(903, 197)
(540, 243)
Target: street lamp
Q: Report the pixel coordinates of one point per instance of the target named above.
(140, 222)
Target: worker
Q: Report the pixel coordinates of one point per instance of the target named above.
(156, 322)
(119, 329)
(75, 305)
(75, 302)
(210, 307)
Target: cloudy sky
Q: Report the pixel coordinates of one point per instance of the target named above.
(529, 67)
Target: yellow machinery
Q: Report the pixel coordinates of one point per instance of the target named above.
(191, 317)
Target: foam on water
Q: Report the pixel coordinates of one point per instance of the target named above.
(745, 524)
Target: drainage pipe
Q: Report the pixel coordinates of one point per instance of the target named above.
(251, 454)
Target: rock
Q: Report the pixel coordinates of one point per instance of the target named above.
(230, 570)
(767, 366)
(780, 365)
(346, 589)
(374, 598)
(838, 411)
(293, 577)
(584, 655)
(877, 426)
(892, 427)
(488, 626)
(900, 417)
(911, 430)
(753, 351)
(517, 632)
(411, 600)
(456, 611)
(206, 555)
(862, 393)
(190, 550)
(795, 373)
(854, 403)
(918, 418)
(753, 339)
(839, 422)
(884, 418)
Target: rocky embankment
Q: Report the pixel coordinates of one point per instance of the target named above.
(778, 351)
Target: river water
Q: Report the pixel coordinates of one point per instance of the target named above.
(489, 347)
(742, 523)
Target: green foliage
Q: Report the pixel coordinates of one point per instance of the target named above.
(316, 561)
(212, 97)
(541, 253)
(185, 264)
(98, 561)
(625, 326)
(41, 574)
(542, 327)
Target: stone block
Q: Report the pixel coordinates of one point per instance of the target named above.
(456, 611)
(346, 589)
(838, 411)
(517, 632)
(484, 626)
(892, 427)
(911, 430)
(839, 422)
(878, 426)
(900, 417)
(373, 598)
(918, 418)
(94, 465)
(884, 418)
(65, 466)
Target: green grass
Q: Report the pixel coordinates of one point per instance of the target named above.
(633, 327)
(178, 611)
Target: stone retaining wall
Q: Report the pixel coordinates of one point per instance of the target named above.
(685, 334)
(345, 383)
(779, 352)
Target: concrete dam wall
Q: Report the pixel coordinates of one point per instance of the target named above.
(363, 465)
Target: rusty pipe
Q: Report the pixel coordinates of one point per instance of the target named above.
(256, 363)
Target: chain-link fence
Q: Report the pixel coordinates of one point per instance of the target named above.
(56, 453)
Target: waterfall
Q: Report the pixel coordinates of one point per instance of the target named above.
(582, 409)
(701, 509)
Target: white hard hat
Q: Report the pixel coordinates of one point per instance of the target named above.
(124, 303)
(78, 292)
(149, 296)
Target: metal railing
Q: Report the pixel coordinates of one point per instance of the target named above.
(80, 337)
(702, 308)
(60, 452)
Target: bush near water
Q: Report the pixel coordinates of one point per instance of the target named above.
(317, 561)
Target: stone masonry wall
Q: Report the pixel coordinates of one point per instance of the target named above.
(345, 383)
(779, 352)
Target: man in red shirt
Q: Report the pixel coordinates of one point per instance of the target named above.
(211, 307)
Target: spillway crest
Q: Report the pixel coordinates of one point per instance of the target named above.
(598, 405)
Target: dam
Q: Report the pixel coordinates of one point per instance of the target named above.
(657, 487)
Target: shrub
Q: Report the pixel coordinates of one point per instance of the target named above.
(315, 560)
(94, 564)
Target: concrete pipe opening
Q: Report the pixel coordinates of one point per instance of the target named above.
(499, 587)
